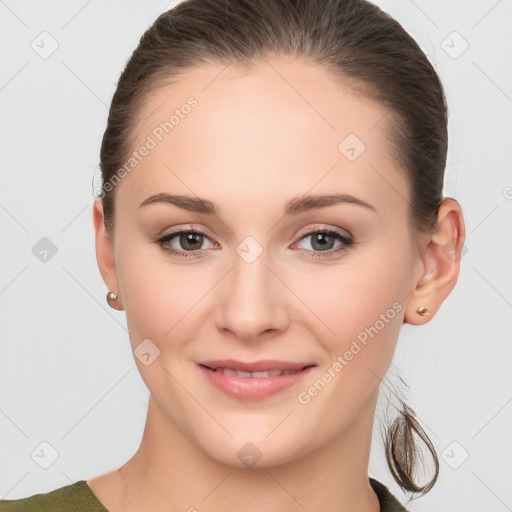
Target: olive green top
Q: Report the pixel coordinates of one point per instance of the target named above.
(78, 497)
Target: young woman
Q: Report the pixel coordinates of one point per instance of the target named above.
(271, 214)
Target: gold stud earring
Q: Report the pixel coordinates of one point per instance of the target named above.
(111, 297)
(422, 311)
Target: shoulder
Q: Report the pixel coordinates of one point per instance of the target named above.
(388, 502)
(77, 497)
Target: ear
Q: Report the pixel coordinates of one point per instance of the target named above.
(105, 253)
(441, 263)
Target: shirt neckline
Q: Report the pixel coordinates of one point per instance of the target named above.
(387, 501)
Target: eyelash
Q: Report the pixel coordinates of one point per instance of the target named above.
(346, 243)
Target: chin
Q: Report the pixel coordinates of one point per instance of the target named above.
(246, 451)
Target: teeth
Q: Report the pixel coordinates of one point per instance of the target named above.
(226, 371)
(261, 374)
(269, 373)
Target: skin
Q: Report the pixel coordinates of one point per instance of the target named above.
(252, 143)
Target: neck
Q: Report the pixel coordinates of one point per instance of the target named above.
(169, 472)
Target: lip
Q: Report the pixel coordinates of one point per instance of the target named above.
(254, 388)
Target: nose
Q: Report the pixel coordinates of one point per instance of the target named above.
(254, 302)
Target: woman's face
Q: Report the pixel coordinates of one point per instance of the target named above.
(252, 283)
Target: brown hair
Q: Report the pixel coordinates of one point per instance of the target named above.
(362, 46)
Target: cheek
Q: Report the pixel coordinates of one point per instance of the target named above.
(363, 309)
(359, 307)
(355, 296)
(159, 298)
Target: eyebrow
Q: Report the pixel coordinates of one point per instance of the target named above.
(292, 207)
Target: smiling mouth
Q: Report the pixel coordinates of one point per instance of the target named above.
(256, 380)
(256, 374)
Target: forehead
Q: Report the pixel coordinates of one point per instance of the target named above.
(282, 124)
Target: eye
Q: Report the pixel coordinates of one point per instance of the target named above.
(324, 240)
(190, 240)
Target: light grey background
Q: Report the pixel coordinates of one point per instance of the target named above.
(67, 376)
